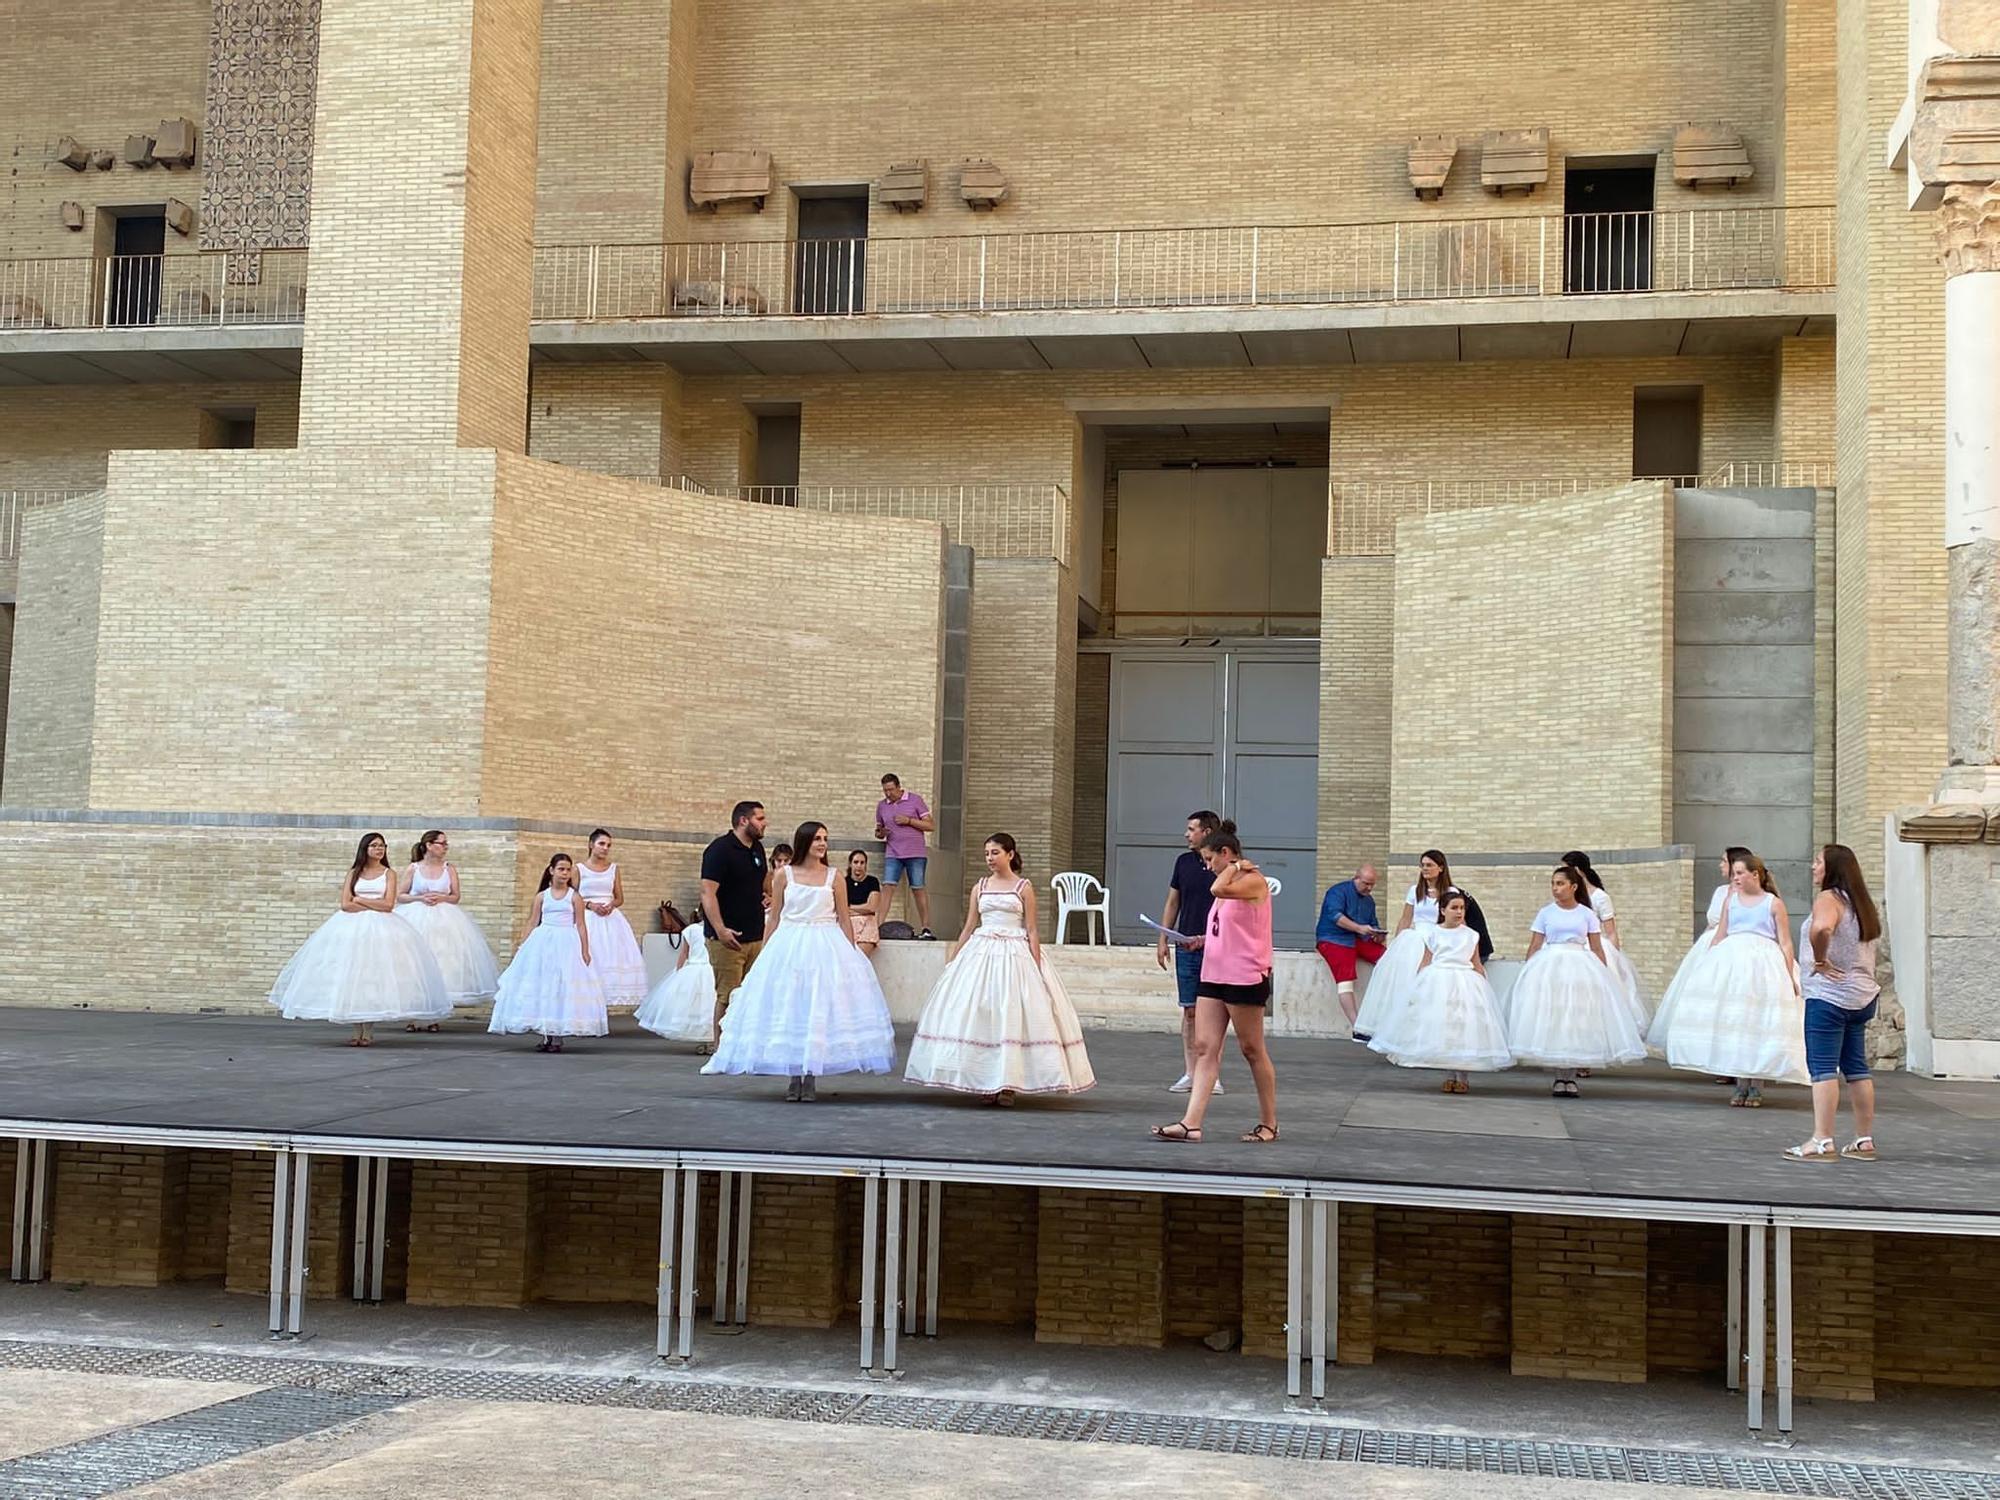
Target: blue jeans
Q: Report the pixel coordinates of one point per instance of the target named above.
(1187, 973)
(894, 869)
(1836, 1040)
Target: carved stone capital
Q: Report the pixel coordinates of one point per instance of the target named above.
(1967, 225)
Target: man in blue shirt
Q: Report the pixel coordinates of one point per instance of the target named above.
(1349, 933)
(1186, 913)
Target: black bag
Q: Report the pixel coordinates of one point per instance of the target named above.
(897, 932)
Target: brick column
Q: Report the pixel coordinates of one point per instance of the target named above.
(475, 1235)
(1100, 1263)
(1833, 1314)
(118, 1214)
(798, 1251)
(987, 1254)
(1579, 1298)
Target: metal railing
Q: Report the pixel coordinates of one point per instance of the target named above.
(1701, 249)
(138, 291)
(995, 520)
(14, 508)
(1756, 474)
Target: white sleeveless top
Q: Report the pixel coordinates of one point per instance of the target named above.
(1001, 913)
(807, 903)
(1715, 903)
(1452, 947)
(1757, 917)
(595, 885)
(1423, 913)
(425, 885)
(373, 886)
(556, 910)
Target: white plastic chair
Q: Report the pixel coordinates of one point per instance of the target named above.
(1275, 884)
(1078, 892)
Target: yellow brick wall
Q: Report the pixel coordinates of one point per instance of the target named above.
(608, 419)
(1088, 804)
(1579, 1298)
(58, 437)
(602, 150)
(1807, 73)
(52, 686)
(1356, 682)
(1806, 397)
(1533, 675)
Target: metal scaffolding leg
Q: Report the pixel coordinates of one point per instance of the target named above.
(725, 1203)
(301, 1215)
(1317, 1294)
(364, 1201)
(892, 1255)
(1754, 1327)
(690, 1204)
(1783, 1259)
(38, 1210)
(17, 1262)
(665, 1290)
(1732, 1359)
(932, 1235)
(1294, 1279)
(743, 1250)
(871, 1201)
(912, 1242)
(378, 1234)
(281, 1208)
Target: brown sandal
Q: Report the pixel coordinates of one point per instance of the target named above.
(1178, 1133)
(1261, 1135)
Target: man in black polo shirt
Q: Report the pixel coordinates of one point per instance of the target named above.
(735, 879)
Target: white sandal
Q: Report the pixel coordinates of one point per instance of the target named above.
(1861, 1148)
(1819, 1148)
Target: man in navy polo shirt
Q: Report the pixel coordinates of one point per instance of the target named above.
(1188, 901)
(1349, 933)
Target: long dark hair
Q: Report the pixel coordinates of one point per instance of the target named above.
(549, 870)
(1843, 877)
(802, 839)
(1222, 839)
(1577, 860)
(423, 845)
(361, 853)
(1574, 876)
(1444, 881)
(1007, 847)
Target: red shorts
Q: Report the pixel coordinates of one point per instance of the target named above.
(1343, 958)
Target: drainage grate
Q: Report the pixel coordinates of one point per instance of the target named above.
(322, 1393)
(173, 1445)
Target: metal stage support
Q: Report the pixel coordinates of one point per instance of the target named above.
(664, 1289)
(371, 1226)
(690, 1211)
(737, 1312)
(922, 1226)
(290, 1226)
(34, 1162)
(1312, 1294)
(1753, 1330)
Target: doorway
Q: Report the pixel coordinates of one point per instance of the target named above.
(1228, 726)
(132, 285)
(1666, 432)
(1608, 226)
(830, 266)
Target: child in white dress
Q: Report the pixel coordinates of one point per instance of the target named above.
(1394, 976)
(1451, 1019)
(550, 987)
(615, 954)
(427, 898)
(997, 1021)
(1566, 1011)
(363, 965)
(1615, 957)
(811, 1004)
(681, 1007)
(1656, 1033)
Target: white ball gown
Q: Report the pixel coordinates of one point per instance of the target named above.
(1620, 966)
(548, 988)
(811, 1003)
(615, 955)
(361, 967)
(1392, 979)
(1567, 1010)
(996, 1019)
(1656, 1033)
(463, 955)
(681, 1007)
(1451, 1017)
(1740, 1014)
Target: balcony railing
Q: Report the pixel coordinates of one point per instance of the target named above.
(138, 291)
(1272, 266)
(994, 520)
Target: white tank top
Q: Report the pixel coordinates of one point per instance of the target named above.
(1757, 917)
(556, 910)
(595, 885)
(426, 885)
(372, 887)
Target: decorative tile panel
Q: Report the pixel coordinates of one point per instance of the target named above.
(257, 147)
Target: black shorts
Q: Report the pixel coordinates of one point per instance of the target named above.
(1236, 994)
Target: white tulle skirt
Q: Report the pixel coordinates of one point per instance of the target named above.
(811, 1004)
(1738, 1015)
(1566, 1011)
(1662, 1022)
(548, 988)
(615, 959)
(463, 955)
(997, 1020)
(1451, 1020)
(1627, 978)
(1391, 982)
(681, 1007)
(361, 967)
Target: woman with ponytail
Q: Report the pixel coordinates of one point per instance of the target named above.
(427, 898)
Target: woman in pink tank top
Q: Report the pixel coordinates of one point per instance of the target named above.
(1235, 988)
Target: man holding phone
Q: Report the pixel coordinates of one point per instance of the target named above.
(1349, 933)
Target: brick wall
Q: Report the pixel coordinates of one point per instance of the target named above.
(1204, 1287)
(1579, 1298)
(59, 437)
(1088, 808)
(600, 1235)
(1442, 1282)
(51, 703)
(329, 1231)
(609, 419)
(1936, 1322)
(118, 1214)
(475, 1235)
(1100, 1261)
(1687, 1274)
(210, 1185)
(1834, 1314)
(798, 1251)
(988, 1253)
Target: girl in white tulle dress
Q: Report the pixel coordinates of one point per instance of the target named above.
(615, 955)
(1396, 974)
(550, 986)
(811, 1005)
(681, 1007)
(1740, 1013)
(363, 965)
(1615, 957)
(997, 1021)
(1451, 1019)
(1566, 1011)
(427, 898)
(1656, 1032)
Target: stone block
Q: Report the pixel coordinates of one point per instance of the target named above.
(1709, 514)
(1733, 778)
(1964, 1000)
(1743, 672)
(1782, 831)
(1744, 565)
(1727, 618)
(1751, 724)
(1964, 890)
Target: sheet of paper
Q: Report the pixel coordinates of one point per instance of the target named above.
(1171, 936)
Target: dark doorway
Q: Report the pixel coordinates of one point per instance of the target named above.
(132, 290)
(830, 269)
(228, 427)
(778, 455)
(1608, 228)
(1666, 432)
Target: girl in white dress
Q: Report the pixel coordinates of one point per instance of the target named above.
(1452, 1017)
(1615, 958)
(614, 951)
(1656, 1033)
(997, 1021)
(550, 986)
(681, 1007)
(1741, 1012)
(363, 965)
(1566, 1011)
(811, 1004)
(1396, 974)
(427, 898)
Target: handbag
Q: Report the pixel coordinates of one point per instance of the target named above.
(672, 923)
